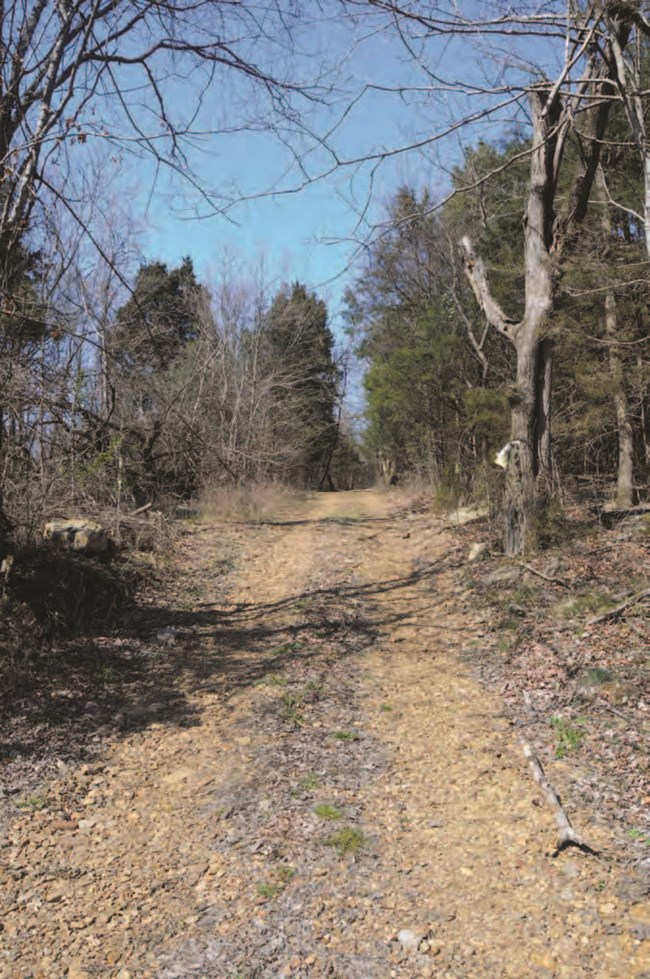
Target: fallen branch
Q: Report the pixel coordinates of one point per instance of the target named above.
(567, 836)
(141, 509)
(540, 574)
(615, 612)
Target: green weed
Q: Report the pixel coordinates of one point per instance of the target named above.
(280, 877)
(639, 835)
(346, 735)
(105, 673)
(568, 735)
(597, 675)
(275, 680)
(268, 890)
(589, 602)
(33, 802)
(386, 708)
(347, 840)
(289, 710)
(286, 647)
(306, 784)
(327, 812)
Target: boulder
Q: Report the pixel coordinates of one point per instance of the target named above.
(506, 573)
(79, 534)
(478, 551)
(468, 514)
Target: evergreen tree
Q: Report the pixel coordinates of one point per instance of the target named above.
(300, 358)
(160, 318)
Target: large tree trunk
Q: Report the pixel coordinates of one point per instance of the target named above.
(543, 417)
(625, 468)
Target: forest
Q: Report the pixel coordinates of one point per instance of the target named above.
(499, 306)
(324, 464)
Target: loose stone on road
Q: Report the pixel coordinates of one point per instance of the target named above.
(338, 795)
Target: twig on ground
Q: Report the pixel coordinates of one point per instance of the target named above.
(615, 612)
(540, 574)
(614, 710)
(567, 836)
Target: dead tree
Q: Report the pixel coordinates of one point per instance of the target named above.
(547, 235)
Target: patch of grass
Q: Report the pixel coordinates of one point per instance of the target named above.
(386, 708)
(306, 784)
(504, 644)
(255, 503)
(286, 647)
(327, 812)
(568, 735)
(276, 680)
(596, 675)
(592, 601)
(289, 709)
(553, 526)
(33, 802)
(105, 673)
(280, 877)
(268, 890)
(347, 840)
(346, 735)
(303, 602)
(284, 873)
(314, 690)
(639, 835)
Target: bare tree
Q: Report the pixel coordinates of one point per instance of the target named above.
(547, 235)
(145, 77)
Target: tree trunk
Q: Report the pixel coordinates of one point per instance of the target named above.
(625, 470)
(530, 431)
(543, 417)
(520, 489)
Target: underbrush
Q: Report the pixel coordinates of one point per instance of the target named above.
(53, 593)
(250, 503)
(564, 638)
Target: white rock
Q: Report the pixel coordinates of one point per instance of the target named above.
(467, 514)
(477, 551)
(78, 533)
(408, 939)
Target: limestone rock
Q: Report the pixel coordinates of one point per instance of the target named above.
(478, 551)
(79, 534)
(468, 514)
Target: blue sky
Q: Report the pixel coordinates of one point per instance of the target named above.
(306, 236)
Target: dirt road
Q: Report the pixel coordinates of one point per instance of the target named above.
(314, 785)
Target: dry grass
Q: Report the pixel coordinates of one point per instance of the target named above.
(253, 503)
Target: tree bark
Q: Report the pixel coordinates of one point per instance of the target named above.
(543, 417)
(625, 468)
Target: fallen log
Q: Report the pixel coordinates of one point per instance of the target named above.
(615, 612)
(540, 574)
(567, 836)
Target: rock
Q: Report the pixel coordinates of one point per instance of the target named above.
(501, 575)
(166, 635)
(409, 940)
(79, 534)
(478, 551)
(467, 514)
(515, 609)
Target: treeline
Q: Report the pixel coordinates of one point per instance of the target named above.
(118, 393)
(441, 381)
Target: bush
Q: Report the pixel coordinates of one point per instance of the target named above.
(250, 503)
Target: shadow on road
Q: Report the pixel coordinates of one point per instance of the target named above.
(70, 698)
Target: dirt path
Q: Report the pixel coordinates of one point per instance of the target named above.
(328, 791)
